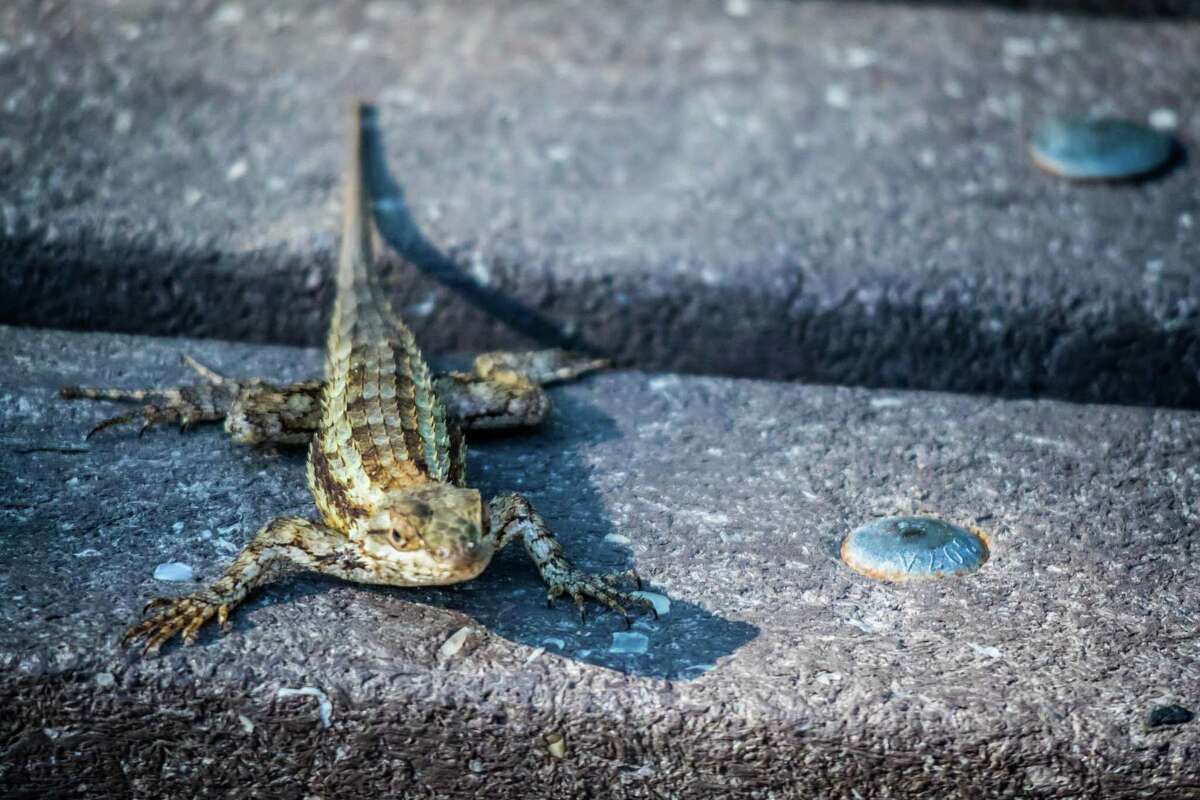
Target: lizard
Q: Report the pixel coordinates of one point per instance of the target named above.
(386, 461)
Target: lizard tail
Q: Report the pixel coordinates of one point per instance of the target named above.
(356, 212)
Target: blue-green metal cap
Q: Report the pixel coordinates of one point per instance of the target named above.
(912, 548)
(1098, 149)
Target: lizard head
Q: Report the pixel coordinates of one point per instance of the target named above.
(430, 535)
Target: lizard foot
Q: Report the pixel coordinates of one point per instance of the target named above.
(600, 588)
(167, 616)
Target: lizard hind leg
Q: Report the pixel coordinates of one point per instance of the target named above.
(255, 412)
(206, 401)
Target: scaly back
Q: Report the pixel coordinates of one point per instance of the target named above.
(382, 427)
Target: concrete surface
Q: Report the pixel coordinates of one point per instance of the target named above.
(778, 671)
(836, 192)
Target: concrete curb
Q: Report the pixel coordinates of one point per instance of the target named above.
(777, 670)
(685, 187)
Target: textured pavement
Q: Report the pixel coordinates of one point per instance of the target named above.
(777, 669)
(835, 192)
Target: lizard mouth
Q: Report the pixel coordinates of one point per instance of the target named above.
(466, 560)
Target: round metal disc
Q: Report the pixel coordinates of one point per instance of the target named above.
(912, 548)
(1098, 149)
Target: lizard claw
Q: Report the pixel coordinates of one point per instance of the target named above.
(166, 617)
(120, 419)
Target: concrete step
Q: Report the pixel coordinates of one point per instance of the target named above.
(831, 192)
(778, 671)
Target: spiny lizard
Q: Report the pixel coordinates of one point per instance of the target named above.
(386, 455)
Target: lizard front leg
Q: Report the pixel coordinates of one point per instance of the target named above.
(284, 545)
(513, 517)
(543, 367)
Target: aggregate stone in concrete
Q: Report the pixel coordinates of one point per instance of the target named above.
(777, 672)
(837, 192)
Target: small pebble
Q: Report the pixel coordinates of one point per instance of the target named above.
(1098, 149)
(1019, 47)
(324, 706)
(454, 645)
(172, 571)
(988, 650)
(623, 642)
(559, 153)
(237, 170)
(123, 122)
(860, 57)
(229, 14)
(556, 744)
(1169, 715)
(1164, 119)
(661, 603)
(737, 8)
(837, 97)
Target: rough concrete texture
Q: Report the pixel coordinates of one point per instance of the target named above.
(778, 671)
(836, 192)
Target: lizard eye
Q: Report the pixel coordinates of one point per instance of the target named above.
(401, 542)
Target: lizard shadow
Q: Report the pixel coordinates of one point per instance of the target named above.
(549, 465)
(509, 599)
